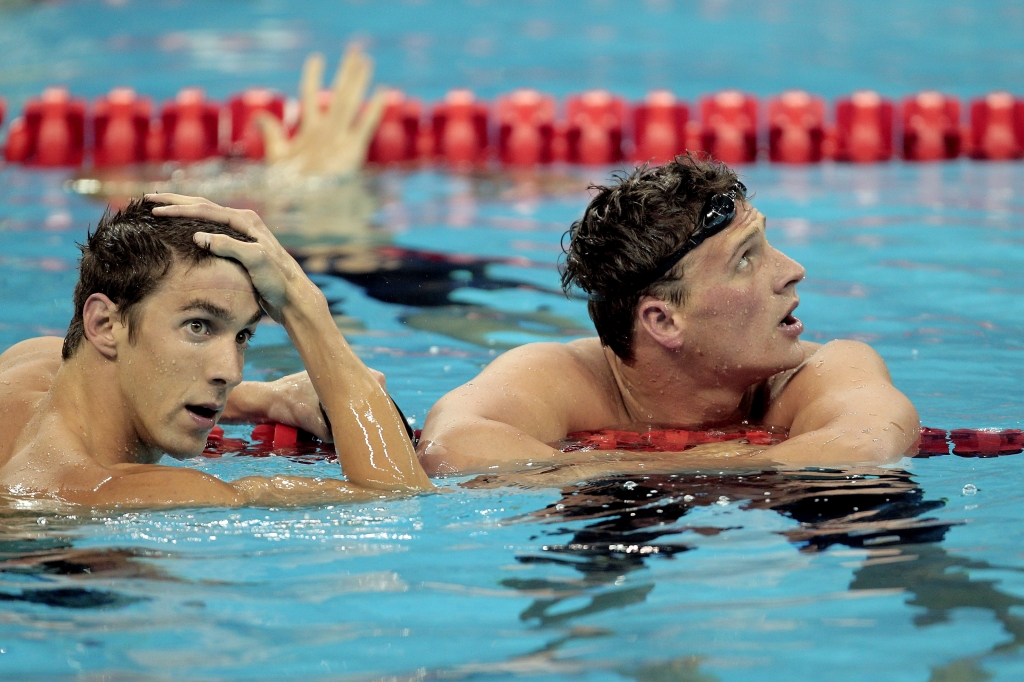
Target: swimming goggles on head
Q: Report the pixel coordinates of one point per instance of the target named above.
(718, 212)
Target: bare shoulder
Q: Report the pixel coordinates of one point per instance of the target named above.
(842, 358)
(27, 370)
(571, 380)
(581, 357)
(41, 351)
(831, 368)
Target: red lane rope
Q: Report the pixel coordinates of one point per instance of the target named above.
(527, 128)
(269, 439)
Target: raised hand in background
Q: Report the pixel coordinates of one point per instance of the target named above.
(332, 141)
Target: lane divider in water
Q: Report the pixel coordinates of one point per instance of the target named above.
(268, 439)
(527, 128)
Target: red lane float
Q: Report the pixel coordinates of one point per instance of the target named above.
(190, 126)
(592, 129)
(934, 442)
(997, 127)
(931, 127)
(246, 137)
(796, 128)
(460, 129)
(595, 120)
(663, 440)
(864, 128)
(18, 144)
(50, 133)
(3, 110)
(659, 127)
(526, 128)
(121, 128)
(729, 126)
(397, 136)
(981, 443)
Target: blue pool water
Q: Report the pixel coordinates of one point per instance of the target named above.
(908, 573)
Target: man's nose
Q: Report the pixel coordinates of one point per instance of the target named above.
(789, 272)
(226, 366)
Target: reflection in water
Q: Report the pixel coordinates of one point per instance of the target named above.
(882, 511)
(44, 568)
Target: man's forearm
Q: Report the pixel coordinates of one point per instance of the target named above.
(246, 403)
(844, 443)
(294, 490)
(478, 445)
(373, 447)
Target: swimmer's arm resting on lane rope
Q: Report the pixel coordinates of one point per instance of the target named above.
(290, 400)
(842, 408)
(373, 448)
(504, 418)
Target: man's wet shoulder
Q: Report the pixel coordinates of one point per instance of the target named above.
(29, 367)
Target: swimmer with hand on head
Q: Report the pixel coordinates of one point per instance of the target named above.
(694, 313)
(170, 292)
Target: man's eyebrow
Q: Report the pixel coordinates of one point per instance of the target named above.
(751, 233)
(217, 311)
(257, 316)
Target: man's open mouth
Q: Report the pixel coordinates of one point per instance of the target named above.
(791, 324)
(202, 411)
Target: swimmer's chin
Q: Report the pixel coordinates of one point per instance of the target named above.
(186, 448)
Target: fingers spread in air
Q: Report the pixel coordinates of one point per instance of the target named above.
(369, 119)
(275, 142)
(349, 88)
(309, 91)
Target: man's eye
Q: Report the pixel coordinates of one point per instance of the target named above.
(197, 327)
(744, 261)
(244, 337)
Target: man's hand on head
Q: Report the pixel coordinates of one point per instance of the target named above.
(277, 277)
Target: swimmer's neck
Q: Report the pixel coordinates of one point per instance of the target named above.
(668, 387)
(88, 402)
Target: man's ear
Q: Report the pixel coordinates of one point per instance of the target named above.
(102, 323)
(661, 321)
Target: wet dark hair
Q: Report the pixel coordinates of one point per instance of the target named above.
(128, 255)
(630, 228)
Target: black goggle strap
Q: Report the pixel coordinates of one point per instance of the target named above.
(718, 212)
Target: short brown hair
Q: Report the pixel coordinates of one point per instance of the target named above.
(627, 230)
(128, 255)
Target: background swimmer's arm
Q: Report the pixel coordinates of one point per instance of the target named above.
(369, 435)
(148, 486)
(290, 400)
(504, 419)
(843, 408)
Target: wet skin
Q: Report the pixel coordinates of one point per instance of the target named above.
(90, 429)
(694, 363)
